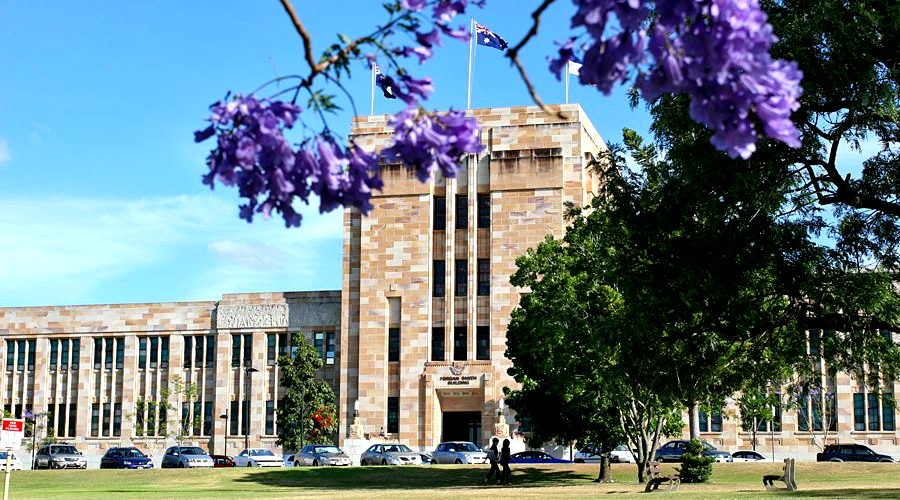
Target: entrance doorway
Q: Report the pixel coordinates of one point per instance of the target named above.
(462, 426)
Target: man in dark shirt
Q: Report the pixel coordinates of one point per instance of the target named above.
(493, 456)
(504, 461)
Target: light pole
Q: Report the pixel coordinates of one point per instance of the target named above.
(250, 370)
(225, 417)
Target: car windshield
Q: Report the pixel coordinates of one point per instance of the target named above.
(709, 446)
(397, 448)
(462, 447)
(3, 456)
(621, 447)
(131, 453)
(261, 453)
(192, 450)
(327, 449)
(64, 450)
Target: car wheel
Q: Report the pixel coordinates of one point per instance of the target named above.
(296, 463)
(835, 460)
(458, 461)
(249, 464)
(579, 461)
(181, 465)
(315, 463)
(884, 460)
(383, 462)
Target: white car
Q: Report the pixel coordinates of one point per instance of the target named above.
(258, 457)
(14, 462)
(591, 455)
(748, 456)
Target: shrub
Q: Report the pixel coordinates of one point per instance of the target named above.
(695, 466)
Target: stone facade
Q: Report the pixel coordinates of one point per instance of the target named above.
(89, 366)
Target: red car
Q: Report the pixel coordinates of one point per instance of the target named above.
(222, 461)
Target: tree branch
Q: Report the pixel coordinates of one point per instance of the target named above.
(513, 55)
(304, 35)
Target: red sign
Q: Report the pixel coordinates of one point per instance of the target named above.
(11, 425)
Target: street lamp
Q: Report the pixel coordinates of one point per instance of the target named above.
(250, 370)
(224, 416)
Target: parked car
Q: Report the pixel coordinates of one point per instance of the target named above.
(590, 454)
(14, 462)
(673, 450)
(258, 457)
(390, 454)
(459, 452)
(319, 454)
(426, 459)
(186, 457)
(125, 458)
(747, 456)
(535, 457)
(59, 456)
(222, 461)
(851, 453)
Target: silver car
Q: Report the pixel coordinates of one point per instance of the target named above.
(459, 452)
(186, 457)
(59, 456)
(390, 454)
(319, 454)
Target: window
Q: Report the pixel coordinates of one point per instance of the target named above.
(54, 353)
(207, 418)
(185, 418)
(139, 429)
(710, 422)
(210, 350)
(459, 343)
(60, 419)
(108, 353)
(163, 419)
(233, 419)
(704, 421)
(319, 343)
(284, 346)
(462, 274)
(462, 211)
(437, 344)
(874, 418)
(95, 419)
(32, 346)
(10, 354)
(248, 349)
(151, 416)
(73, 415)
(271, 349)
(76, 353)
(484, 211)
(188, 350)
(270, 418)
(393, 344)
(329, 348)
(197, 421)
(859, 412)
(198, 352)
(106, 419)
(154, 351)
(484, 276)
(120, 353)
(142, 352)
(393, 415)
(117, 419)
(235, 349)
(483, 343)
(887, 409)
(440, 274)
(803, 414)
(98, 352)
(815, 338)
(440, 213)
(164, 353)
(245, 417)
(64, 354)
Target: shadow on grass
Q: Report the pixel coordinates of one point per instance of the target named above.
(855, 493)
(408, 477)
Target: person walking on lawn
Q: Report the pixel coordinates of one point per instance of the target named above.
(493, 455)
(504, 461)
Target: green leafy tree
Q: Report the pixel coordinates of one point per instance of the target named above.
(307, 413)
(695, 466)
(152, 419)
(757, 409)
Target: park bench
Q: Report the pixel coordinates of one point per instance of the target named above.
(787, 477)
(656, 479)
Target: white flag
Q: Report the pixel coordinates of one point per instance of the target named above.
(574, 68)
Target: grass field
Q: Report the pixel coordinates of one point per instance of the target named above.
(571, 482)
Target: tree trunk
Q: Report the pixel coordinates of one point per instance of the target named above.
(642, 468)
(605, 475)
(694, 420)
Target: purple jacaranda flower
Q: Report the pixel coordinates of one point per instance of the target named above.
(566, 54)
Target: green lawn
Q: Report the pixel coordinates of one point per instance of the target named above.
(570, 482)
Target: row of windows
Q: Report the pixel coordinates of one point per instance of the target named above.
(194, 349)
(59, 353)
(159, 352)
(880, 413)
(324, 344)
(462, 212)
(103, 414)
(103, 352)
(462, 277)
(16, 354)
(460, 344)
(278, 345)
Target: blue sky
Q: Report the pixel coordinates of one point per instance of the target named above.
(100, 192)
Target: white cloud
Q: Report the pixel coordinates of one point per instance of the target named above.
(78, 250)
(5, 155)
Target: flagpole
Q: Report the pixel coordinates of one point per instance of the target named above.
(372, 107)
(471, 56)
(567, 82)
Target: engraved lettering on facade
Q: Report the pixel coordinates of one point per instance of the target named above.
(252, 316)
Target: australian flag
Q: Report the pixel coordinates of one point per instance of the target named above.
(488, 38)
(385, 84)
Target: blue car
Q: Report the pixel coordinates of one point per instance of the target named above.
(125, 458)
(535, 457)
